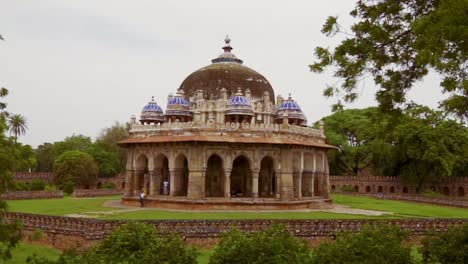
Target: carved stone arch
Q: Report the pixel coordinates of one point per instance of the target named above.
(249, 155)
(211, 152)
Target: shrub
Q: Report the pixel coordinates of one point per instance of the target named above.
(21, 186)
(450, 247)
(130, 243)
(75, 166)
(50, 188)
(37, 234)
(347, 188)
(273, 245)
(375, 244)
(37, 185)
(108, 185)
(68, 187)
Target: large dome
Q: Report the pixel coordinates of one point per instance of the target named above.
(227, 72)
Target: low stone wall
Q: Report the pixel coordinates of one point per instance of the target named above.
(29, 176)
(65, 231)
(455, 187)
(416, 198)
(96, 192)
(26, 195)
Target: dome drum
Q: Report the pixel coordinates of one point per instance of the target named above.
(152, 113)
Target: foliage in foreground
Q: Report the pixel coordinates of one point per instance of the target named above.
(375, 244)
(274, 245)
(447, 248)
(130, 243)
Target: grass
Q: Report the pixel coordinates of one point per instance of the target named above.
(401, 208)
(168, 215)
(204, 256)
(67, 205)
(24, 250)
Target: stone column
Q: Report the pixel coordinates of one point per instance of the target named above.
(227, 183)
(286, 174)
(301, 171)
(196, 183)
(172, 189)
(151, 176)
(136, 187)
(129, 183)
(156, 184)
(255, 176)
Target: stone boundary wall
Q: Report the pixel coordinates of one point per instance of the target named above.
(25, 195)
(86, 231)
(96, 192)
(455, 188)
(415, 198)
(29, 176)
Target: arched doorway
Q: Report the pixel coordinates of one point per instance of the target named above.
(461, 192)
(266, 181)
(99, 185)
(141, 171)
(368, 189)
(380, 189)
(392, 189)
(214, 177)
(446, 191)
(241, 178)
(161, 175)
(356, 188)
(181, 175)
(405, 189)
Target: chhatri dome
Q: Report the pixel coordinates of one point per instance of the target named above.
(226, 71)
(223, 143)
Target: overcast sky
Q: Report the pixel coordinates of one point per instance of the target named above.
(74, 67)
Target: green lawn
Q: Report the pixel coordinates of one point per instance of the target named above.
(168, 215)
(67, 205)
(24, 250)
(401, 208)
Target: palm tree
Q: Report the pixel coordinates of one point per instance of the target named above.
(17, 124)
(3, 93)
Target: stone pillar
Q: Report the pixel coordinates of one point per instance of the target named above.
(255, 176)
(172, 189)
(129, 183)
(151, 176)
(278, 185)
(326, 176)
(301, 171)
(196, 183)
(227, 183)
(286, 174)
(156, 184)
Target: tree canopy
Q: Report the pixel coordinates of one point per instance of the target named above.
(76, 167)
(397, 42)
(419, 145)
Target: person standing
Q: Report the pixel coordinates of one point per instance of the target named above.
(142, 197)
(166, 187)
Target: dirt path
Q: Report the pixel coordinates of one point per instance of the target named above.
(120, 208)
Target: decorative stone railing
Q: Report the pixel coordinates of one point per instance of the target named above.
(240, 127)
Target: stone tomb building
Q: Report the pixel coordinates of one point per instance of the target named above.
(225, 143)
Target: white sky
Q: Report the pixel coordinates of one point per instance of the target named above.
(74, 67)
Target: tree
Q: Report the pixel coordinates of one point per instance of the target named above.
(133, 242)
(375, 244)
(273, 245)
(428, 147)
(10, 234)
(108, 162)
(3, 105)
(357, 134)
(397, 42)
(17, 124)
(76, 167)
(75, 142)
(45, 157)
(110, 136)
(449, 247)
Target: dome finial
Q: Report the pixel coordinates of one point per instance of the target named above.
(227, 40)
(289, 98)
(152, 98)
